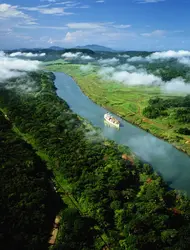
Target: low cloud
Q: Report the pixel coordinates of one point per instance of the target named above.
(134, 78)
(176, 85)
(185, 61)
(127, 67)
(136, 59)
(106, 72)
(72, 55)
(24, 84)
(131, 76)
(169, 54)
(29, 54)
(109, 61)
(182, 56)
(86, 68)
(77, 55)
(124, 56)
(14, 67)
(86, 57)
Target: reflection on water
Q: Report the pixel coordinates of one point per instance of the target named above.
(110, 125)
(172, 164)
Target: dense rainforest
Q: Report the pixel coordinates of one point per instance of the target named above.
(26, 213)
(177, 107)
(119, 202)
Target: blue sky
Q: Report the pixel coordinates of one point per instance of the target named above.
(120, 24)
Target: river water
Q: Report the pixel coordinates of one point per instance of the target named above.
(172, 164)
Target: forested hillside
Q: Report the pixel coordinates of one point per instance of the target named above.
(27, 214)
(119, 202)
(176, 107)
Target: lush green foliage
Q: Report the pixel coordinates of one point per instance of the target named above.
(184, 131)
(129, 204)
(26, 212)
(76, 231)
(159, 106)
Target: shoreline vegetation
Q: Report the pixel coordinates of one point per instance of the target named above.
(26, 193)
(132, 109)
(111, 200)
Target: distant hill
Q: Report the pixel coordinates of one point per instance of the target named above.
(56, 48)
(80, 49)
(95, 47)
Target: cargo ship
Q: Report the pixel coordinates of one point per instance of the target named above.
(111, 120)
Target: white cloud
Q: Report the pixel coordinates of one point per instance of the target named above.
(74, 36)
(109, 61)
(122, 26)
(44, 9)
(129, 75)
(50, 1)
(97, 26)
(83, 7)
(29, 54)
(72, 5)
(136, 59)
(72, 55)
(86, 57)
(77, 55)
(182, 56)
(42, 27)
(86, 68)
(52, 11)
(184, 60)
(8, 11)
(2, 54)
(13, 67)
(155, 33)
(81, 34)
(177, 86)
(135, 78)
(169, 54)
(149, 1)
(22, 85)
(106, 72)
(127, 67)
(85, 25)
(100, 1)
(124, 56)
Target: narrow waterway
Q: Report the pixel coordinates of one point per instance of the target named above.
(172, 164)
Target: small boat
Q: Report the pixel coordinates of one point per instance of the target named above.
(111, 120)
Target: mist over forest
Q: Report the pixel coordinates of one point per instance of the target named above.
(167, 69)
(109, 197)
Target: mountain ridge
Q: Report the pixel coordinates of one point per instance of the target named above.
(96, 47)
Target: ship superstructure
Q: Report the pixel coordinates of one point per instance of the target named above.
(111, 120)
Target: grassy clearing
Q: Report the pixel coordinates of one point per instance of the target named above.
(127, 102)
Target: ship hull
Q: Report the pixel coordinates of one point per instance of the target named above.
(108, 122)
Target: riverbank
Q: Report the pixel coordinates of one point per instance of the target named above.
(116, 196)
(126, 102)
